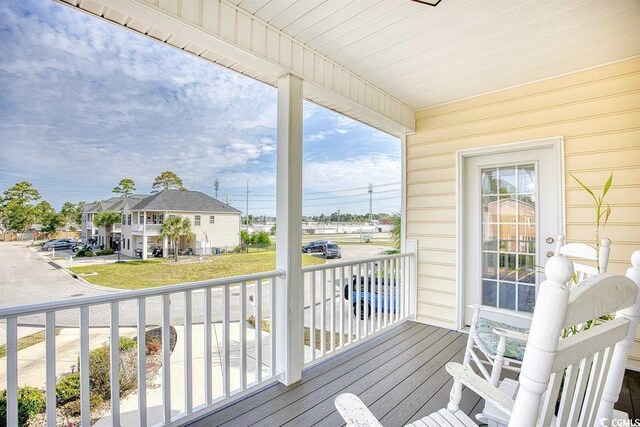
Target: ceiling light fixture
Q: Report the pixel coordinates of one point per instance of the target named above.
(433, 3)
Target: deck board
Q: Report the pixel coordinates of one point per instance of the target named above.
(399, 375)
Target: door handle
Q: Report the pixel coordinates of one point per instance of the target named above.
(550, 240)
(550, 254)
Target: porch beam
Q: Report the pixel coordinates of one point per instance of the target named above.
(289, 303)
(224, 33)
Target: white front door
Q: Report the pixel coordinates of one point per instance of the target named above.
(511, 215)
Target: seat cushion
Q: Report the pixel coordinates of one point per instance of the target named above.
(514, 348)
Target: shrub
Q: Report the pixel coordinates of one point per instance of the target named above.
(31, 402)
(260, 239)
(84, 253)
(153, 346)
(105, 252)
(126, 343)
(73, 408)
(68, 388)
(99, 368)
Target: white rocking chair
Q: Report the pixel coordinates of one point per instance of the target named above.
(494, 344)
(571, 381)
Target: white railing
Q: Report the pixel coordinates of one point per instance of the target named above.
(196, 309)
(346, 302)
(151, 228)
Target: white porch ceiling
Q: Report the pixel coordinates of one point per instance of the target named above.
(426, 56)
(380, 60)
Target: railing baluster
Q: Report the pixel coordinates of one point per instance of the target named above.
(114, 333)
(207, 348)
(226, 369)
(166, 359)
(332, 344)
(405, 288)
(323, 315)
(341, 306)
(372, 297)
(188, 349)
(50, 346)
(272, 329)
(387, 305)
(85, 409)
(243, 335)
(397, 287)
(358, 301)
(12, 371)
(258, 342)
(142, 362)
(350, 317)
(312, 315)
(379, 296)
(365, 302)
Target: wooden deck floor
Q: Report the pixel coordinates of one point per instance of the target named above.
(399, 375)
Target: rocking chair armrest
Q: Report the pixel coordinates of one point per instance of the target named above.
(489, 309)
(512, 335)
(354, 412)
(481, 387)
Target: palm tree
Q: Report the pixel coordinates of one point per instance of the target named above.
(106, 219)
(396, 235)
(173, 228)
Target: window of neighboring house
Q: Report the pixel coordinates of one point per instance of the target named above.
(140, 219)
(129, 219)
(161, 219)
(172, 216)
(128, 241)
(196, 220)
(124, 219)
(212, 219)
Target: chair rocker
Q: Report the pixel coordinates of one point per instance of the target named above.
(570, 381)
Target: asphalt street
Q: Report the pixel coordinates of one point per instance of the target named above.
(27, 278)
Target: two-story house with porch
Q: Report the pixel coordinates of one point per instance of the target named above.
(214, 224)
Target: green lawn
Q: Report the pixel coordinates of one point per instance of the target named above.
(160, 272)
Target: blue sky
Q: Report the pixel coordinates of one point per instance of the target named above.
(84, 103)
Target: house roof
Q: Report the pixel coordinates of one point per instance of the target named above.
(183, 200)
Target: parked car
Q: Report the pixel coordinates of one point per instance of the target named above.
(373, 297)
(48, 242)
(64, 243)
(331, 250)
(152, 251)
(81, 246)
(315, 246)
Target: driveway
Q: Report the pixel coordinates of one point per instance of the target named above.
(25, 278)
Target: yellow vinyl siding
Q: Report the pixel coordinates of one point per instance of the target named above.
(597, 112)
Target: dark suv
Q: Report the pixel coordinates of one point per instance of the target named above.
(331, 250)
(315, 246)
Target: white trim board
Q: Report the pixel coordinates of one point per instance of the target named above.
(557, 143)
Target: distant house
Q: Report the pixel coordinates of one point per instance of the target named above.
(214, 224)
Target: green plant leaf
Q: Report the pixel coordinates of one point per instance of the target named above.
(607, 185)
(585, 188)
(608, 213)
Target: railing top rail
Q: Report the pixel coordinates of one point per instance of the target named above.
(29, 309)
(354, 262)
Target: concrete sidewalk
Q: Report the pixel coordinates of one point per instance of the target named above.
(32, 366)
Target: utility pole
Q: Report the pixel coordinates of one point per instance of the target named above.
(216, 185)
(370, 201)
(247, 211)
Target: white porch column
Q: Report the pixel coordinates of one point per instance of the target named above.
(403, 193)
(289, 304)
(144, 235)
(165, 247)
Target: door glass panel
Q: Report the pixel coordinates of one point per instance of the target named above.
(509, 237)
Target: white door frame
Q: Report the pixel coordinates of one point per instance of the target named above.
(557, 143)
